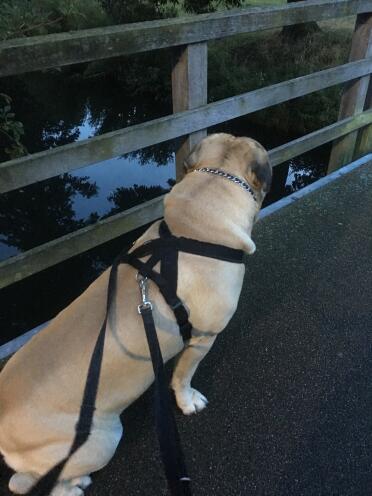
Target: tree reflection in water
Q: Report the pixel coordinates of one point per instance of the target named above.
(60, 107)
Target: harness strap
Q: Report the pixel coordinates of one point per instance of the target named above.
(164, 249)
(187, 245)
(169, 265)
(83, 427)
(202, 248)
(169, 440)
(168, 294)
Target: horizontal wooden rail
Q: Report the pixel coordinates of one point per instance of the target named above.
(26, 264)
(39, 166)
(41, 257)
(318, 138)
(41, 52)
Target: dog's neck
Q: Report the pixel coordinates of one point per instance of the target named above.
(238, 181)
(216, 211)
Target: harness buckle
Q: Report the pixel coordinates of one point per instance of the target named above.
(142, 283)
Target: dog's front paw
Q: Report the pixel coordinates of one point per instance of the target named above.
(65, 489)
(190, 401)
(250, 247)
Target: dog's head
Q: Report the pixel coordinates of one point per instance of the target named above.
(240, 156)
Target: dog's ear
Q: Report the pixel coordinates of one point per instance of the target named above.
(192, 160)
(261, 174)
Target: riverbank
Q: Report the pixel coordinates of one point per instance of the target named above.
(77, 102)
(245, 63)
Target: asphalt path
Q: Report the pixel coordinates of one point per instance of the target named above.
(289, 380)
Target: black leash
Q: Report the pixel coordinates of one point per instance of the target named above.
(169, 440)
(83, 426)
(164, 249)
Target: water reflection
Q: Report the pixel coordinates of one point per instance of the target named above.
(60, 107)
(136, 172)
(43, 211)
(120, 172)
(57, 108)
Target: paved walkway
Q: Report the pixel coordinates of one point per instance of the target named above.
(289, 381)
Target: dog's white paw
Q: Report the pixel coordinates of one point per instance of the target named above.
(21, 483)
(65, 489)
(76, 491)
(250, 246)
(82, 482)
(190, 401)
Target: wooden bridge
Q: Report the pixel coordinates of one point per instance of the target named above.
(192, 115)
(289, 380)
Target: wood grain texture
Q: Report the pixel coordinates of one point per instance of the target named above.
(189, 91)
(24, 265)
(41, 52)
(318, 138)
(354, 94)
(364, 141)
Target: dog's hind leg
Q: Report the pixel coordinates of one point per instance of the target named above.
(21, 482)
(92, 456)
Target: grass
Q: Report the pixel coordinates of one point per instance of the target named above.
(247, 62)
(342, 23)
(264, 58)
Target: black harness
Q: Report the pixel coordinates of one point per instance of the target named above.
(165, 250)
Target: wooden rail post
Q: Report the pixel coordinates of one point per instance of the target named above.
(189, 90)
(364, 142)
(355, 93)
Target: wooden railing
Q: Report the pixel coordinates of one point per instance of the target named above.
(192, 115)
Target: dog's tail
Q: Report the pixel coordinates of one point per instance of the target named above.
(21, 483)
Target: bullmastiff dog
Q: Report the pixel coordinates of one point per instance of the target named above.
(41, 386)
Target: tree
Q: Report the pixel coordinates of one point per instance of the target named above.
(11, 131)
(125, 198)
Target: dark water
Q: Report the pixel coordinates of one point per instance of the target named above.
(61, 107)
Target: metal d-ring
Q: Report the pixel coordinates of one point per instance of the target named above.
(142, 283)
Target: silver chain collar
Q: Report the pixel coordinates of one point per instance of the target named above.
(230, 177)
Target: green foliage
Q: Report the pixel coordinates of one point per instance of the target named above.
(203, 6)
(144, 10)
(250, 62)
(139, 10)
(29, 18)
(37, 17)
(11, 130)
